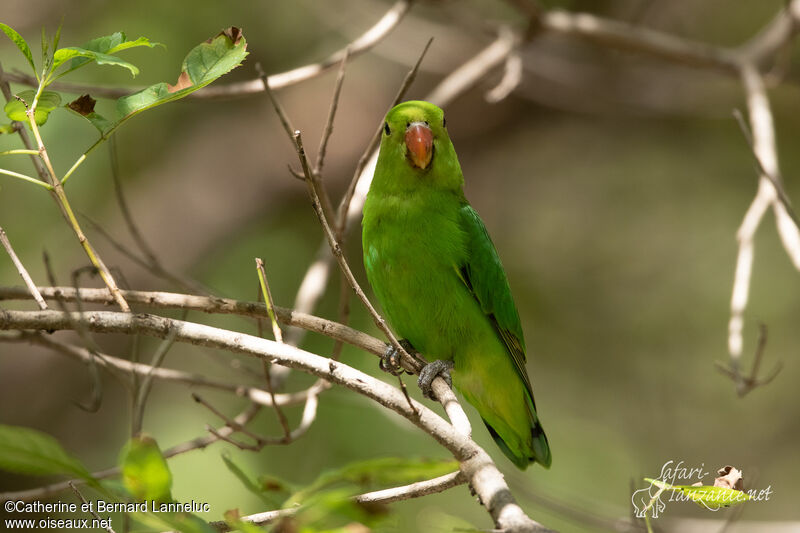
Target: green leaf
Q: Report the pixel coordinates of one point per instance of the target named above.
(333, 510)
(204, 64)
(144, 470)
(108, 45)
(386, 471)
(48, 100)
(44, 49)
(28, 451)
(141, 41)
(57, 36)
(7, 128)
(84, 107)
(259, 490)
(63, 55)
(706, 496)
(21, 44)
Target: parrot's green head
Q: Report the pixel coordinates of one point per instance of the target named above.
(415, 143)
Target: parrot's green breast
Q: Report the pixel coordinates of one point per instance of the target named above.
(441, 285)
(409, 265)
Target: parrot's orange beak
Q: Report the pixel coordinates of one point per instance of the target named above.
(419, 141)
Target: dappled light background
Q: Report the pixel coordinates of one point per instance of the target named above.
(612, 185)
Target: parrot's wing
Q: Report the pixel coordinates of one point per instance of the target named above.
(484, 276)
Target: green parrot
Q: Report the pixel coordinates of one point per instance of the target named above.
(440, 282)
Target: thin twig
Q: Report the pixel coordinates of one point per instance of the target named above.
(155, 269)
(745, 384)
(229, 422)
(776, 180)
(288, 128)
(85, 336)
(254, 394)
(768, 194)
(21, 269)
(146, 383)
(151, 262)
(344, 205)
(339, 255)
(91, 509)
(385, 496)
(328, 130)
(316, 277)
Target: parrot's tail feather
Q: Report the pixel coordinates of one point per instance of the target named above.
(539, 453)
(541, 449)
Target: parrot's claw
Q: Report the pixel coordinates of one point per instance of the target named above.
(429, 372)
(390, 362)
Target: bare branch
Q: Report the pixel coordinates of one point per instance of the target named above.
(22, 271)
(394, 494)
(769, 194)
(625, 36)
(206, 304)
(414, 490)
(328, 131)
(255, 395)
(145, 385)
(476, 465)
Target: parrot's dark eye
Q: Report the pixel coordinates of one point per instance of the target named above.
(444, 122)
(386, 128)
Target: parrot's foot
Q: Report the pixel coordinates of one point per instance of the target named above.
(429, 372)
(390, 362)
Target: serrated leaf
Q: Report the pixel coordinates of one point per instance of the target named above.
(109, 45)
(28, 451)
(21, 44)
(144, 470)
(706, 495)
(48, 100)
(141, 41)
(203, 64)
(63, 55)
(84, 107)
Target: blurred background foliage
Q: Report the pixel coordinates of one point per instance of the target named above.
(612, 185)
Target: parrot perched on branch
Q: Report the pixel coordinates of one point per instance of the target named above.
(440, 282)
